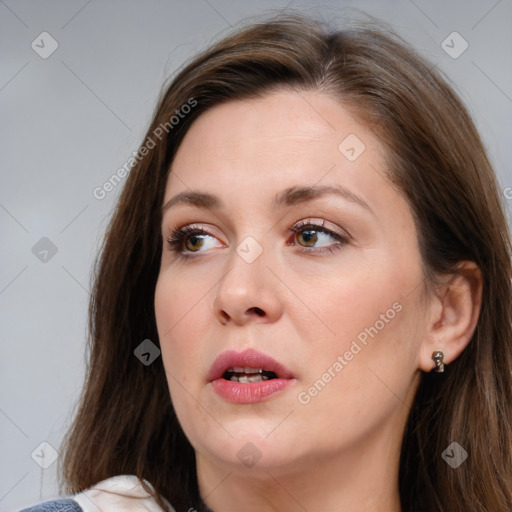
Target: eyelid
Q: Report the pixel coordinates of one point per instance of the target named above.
(313, 222)
(194, 226)
(322, 225)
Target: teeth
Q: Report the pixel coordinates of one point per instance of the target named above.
(247, 374)
(244, 379)
(239, 369)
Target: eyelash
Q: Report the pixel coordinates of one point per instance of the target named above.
(177, 237)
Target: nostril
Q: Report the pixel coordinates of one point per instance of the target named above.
(258, 311)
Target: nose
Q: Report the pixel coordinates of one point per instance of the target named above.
(247, 292)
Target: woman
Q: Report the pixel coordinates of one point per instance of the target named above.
(303, 298)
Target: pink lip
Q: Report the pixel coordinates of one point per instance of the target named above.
(253, 391)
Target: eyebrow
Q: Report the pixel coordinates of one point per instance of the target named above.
(288, 197)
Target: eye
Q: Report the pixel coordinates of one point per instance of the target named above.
(310, 235)
(190, 239)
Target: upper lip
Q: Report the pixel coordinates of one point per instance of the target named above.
(248, 358)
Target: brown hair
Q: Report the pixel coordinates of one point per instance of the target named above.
(125, 423)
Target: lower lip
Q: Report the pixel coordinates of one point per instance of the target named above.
(250, 392)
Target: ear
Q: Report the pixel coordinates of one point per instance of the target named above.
(453, 315)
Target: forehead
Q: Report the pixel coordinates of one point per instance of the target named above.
(280, 121)
(286, 138)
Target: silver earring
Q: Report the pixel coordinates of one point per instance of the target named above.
(438, 357)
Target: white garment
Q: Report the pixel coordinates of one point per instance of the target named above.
(118, 494)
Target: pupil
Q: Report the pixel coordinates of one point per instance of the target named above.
(309, 237)
(192, 242)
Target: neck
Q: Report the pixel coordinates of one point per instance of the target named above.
(361, 479)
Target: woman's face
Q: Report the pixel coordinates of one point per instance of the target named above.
(290, 314)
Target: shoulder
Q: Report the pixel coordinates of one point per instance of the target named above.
(60, 505)
(116, 494)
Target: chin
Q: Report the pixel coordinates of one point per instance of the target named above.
(252, 445)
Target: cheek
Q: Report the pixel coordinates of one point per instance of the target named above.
(344, 304)
(180, 298)
(364, 376)
(371, 317)
(182, 311)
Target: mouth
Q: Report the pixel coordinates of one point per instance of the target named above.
(248, 377)
(246, 367)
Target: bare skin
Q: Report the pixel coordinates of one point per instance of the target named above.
(305, 300)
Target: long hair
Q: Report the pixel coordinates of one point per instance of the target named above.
(125, 422)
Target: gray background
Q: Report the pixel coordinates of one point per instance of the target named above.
(71, 120)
